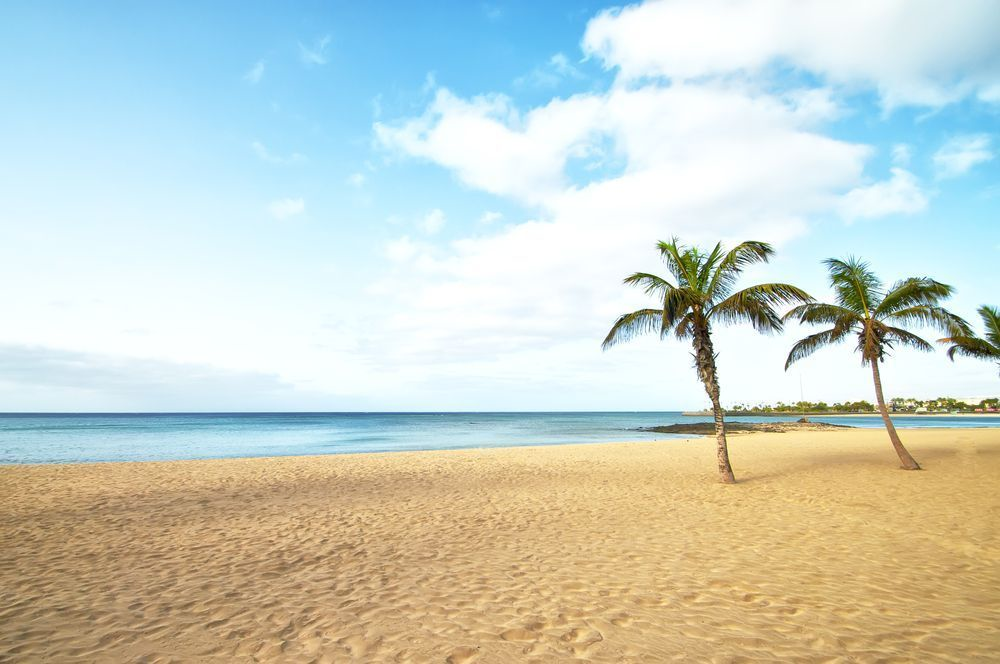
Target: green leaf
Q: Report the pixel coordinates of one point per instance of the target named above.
(629, 326)
(806, 347)
(755, 305)
(912, 292)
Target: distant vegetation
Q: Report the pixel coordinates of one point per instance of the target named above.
(803, 407)
(898, 405)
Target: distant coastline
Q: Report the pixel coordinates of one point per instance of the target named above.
(750, 413)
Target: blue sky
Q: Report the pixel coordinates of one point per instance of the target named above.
(417, 206)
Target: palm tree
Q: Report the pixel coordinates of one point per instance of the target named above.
(703, 295)
(876, 316)
(987, 348)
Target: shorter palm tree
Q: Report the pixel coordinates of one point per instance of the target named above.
(876, 317)
(981, 348)
(704, 295)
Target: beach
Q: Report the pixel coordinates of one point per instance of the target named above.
(614, 552)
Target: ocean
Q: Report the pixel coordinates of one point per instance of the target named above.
(76, 438)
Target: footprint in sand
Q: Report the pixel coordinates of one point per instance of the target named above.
(582, 635)
(462, 655)
(518, 634)
(622, 621)
(358, 645)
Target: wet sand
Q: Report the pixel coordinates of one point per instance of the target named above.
(626, 552)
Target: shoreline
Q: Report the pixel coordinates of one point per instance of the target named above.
(819, 414)
(675, 438)
(348, 455)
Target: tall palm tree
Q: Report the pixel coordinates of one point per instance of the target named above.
(982, 348)
(876, 316)
(703, 295)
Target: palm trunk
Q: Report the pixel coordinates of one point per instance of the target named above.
(705, 360)
(907, 461)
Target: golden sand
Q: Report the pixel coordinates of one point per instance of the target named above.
(624, 552)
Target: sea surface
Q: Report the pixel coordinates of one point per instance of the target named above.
(74, 438)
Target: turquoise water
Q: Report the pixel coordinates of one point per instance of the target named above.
(68, 438)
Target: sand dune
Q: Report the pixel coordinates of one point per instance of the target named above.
(616, 553)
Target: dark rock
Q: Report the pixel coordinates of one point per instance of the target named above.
(708, 428)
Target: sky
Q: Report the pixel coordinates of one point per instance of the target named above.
(388, 206)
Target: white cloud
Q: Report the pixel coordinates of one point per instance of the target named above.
(405, 249)
(283, 208)
(703, 162)
(900, 194)
(401, 250)
(724, 149)
(433, 222)
(356, 180)
(489, 146)
(922, 52)
(490, 217)
(813, 105)
(961, 153)
(666, 136)
(266, 155)
(557, 69)
(315, 54)
(254, 74)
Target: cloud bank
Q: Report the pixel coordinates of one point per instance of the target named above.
(708, 132)
(922, 52)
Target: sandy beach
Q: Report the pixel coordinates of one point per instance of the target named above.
(626, 552)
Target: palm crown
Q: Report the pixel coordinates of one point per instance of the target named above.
(704, 292)
(982, 348)
(875, 315)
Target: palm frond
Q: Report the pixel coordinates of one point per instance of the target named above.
(747, 253)
(736, 259)
(743, 307)
(650, 283)
(970, 346)
(756, 304)
(629, 326)
(707, 270)
(935, 317)
(991, 322)
(912, 292)
(684, 330)
(778, 294)
(676, 303)
(677, 258)
(893, 336)
(809, 345)
(856, 286)
(818, 312)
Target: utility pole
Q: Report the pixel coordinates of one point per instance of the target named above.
(802, 397)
